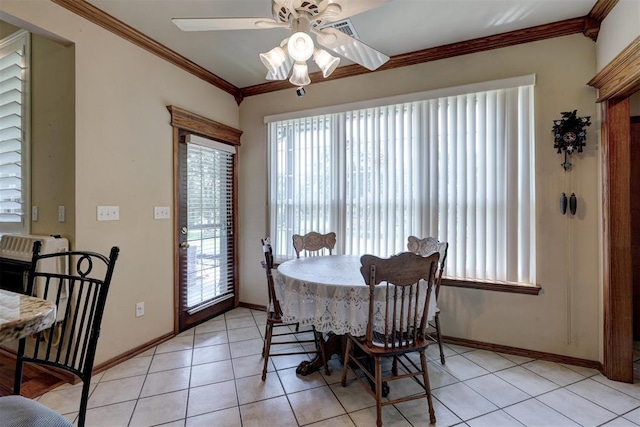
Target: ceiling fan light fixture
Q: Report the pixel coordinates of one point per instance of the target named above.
(274, 59)
(300, 74)
(300, 46)
(327, 62)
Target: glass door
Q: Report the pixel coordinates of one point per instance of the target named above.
(207, 285)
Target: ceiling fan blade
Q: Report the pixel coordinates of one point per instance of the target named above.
(215, 24)
(283, 71)
(352, 7)
(350, 48)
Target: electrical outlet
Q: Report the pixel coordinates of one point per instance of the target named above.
(161, 212)
(140, 309)
(34, 213)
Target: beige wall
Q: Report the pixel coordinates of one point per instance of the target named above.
(123, 157)
(618, 30)
(564, 318)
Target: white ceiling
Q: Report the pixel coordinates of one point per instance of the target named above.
(399, 26)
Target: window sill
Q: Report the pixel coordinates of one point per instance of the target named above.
(497, 287)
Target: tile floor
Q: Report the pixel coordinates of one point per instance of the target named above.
(210, 376)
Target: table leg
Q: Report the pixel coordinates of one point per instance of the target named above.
(334, 344)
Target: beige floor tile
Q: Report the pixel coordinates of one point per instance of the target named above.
(148, 352)
(417, 412)
(237, 312)
(489, 360)
(211, 353)
(253, 389)
(390, 417)
(116, 391)
(65, 400)
(497, 391)
(341, 421)
(290, 361)
(620, 422)
(176, 344)
(117, 415)
(585, 372)
(633, 416)
(535, 413)
(166, 381)
(494, 419)
(314, 405)
(354, 396)
(462, 368)
(527, 381)
(438, 377)
(268, 413)
(242, 334)
(229, 417)
(210, 338)
(241, 322)
(611, 399)
(246, 348)
(174, 360)
(293, 382)
(630, 389)
(554, 372)
(518, 360)
(210, 373)
(128, 368)
(464, 401)
(250, 365)
(213, 325)
(212, 397)
(577, 408)
(160, 409)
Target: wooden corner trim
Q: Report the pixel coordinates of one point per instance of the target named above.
(621, 77)
(108, 22)
(201, 125)
(601, 9)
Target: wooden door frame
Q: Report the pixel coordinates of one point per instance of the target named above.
(185, 121)
(616, 83)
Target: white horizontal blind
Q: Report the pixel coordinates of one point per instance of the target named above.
(13, 131)
(456, 167)
(211, 274)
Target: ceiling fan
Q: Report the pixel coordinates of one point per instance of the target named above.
(302, 18)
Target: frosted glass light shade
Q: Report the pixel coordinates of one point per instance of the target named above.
(300, 74)
(300, 46)
(325, 61)
(273, 59)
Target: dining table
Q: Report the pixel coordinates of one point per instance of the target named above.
(329, 293)
(23, 315)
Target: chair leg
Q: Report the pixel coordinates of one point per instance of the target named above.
(439, 335)
(378, 382)
(83, 403)
(17, 379)
(267, 348)
(394, 366)
(320, 346)
(345, 360)
(427, 386)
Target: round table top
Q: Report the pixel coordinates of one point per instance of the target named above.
(331, 270)
(22, 315)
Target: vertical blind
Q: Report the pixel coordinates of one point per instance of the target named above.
(210, 171)
(13, 149)
(456, 167)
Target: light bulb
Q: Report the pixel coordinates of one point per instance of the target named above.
(300, 46)
(300, 74)
(325, 61)
(273, 59)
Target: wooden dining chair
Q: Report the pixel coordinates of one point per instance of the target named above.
(397, 323)
(70, 345)
(314, 243)
(277, 331)
(426, 247)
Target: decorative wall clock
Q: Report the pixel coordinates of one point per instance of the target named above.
(569, 134)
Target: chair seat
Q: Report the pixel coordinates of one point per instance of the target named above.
(19, 411)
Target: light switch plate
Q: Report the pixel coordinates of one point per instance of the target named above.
(108, 213)
(61, 214)
(34, 213)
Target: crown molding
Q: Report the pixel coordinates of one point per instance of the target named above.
(511, 38)
(588, 25)
(108, 22)
(621, 77)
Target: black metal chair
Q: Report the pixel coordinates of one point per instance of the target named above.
(426, 247)
(69, 345)
(396, 327)
(274, 320)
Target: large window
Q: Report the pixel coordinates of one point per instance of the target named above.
(456, 165)
(14, 188)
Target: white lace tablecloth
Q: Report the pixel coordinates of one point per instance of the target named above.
(327, 292)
